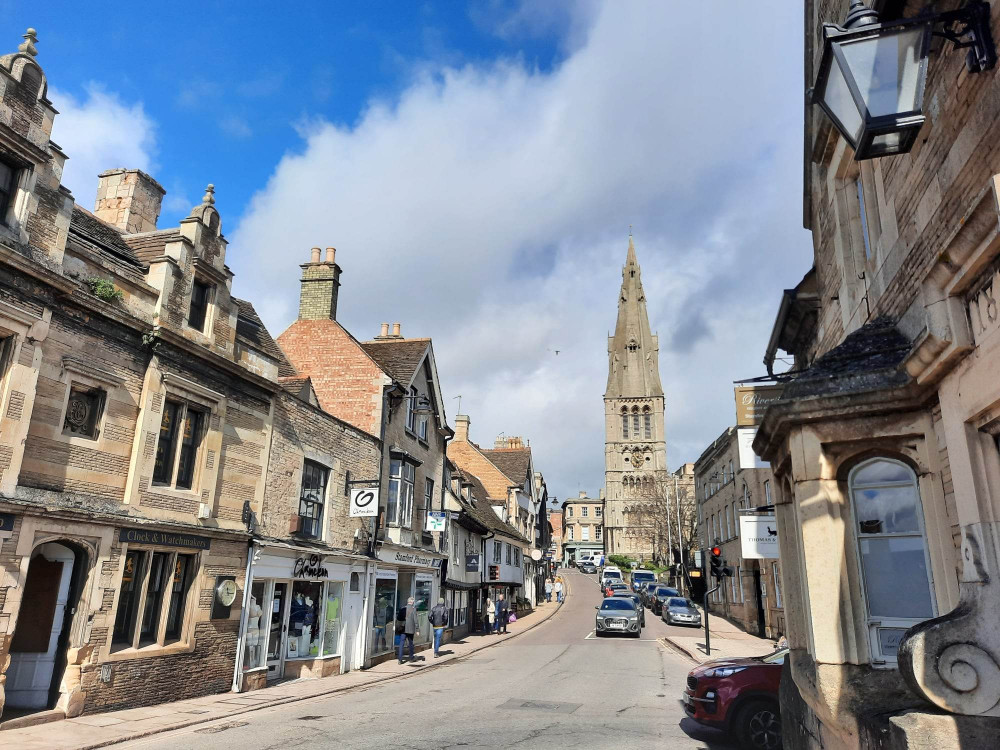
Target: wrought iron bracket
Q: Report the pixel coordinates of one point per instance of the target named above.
(969, 28)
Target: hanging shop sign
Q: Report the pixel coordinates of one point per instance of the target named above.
(437, 520)
(472, 563)
(310, 567)
(494, 572)
(364, 502)
(408, 557)
(749, 459)
(164, 538)
(758, 537)
(752, 401)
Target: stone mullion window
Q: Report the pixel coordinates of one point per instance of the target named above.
(153, 598)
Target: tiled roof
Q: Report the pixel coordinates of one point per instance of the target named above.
(150, 245)
(250, 327)
(513, 462)
(399, 358)
(102, 236)
(482, 511)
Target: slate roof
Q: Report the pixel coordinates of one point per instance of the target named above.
(482, 512)
(513, 462)
(251, 328)
(101, 236)
(868, 359)
(399, 358)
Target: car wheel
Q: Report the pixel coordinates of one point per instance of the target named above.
(758, 726)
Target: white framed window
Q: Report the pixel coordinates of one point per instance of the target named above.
(583, 511)
(399, 506)
(411, 415)
(585, 534)
(729, 522)
(598, 511)
(600, 533)
(776, 574)
(892, 552)
(571, 533)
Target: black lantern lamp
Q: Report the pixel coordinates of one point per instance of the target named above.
(871, 78)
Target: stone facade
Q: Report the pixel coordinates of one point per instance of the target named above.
(582, 522)
(893, 415)
(635, 452)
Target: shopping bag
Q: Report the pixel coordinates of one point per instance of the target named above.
(513, 617)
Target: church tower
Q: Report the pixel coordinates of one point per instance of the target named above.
(635, 451)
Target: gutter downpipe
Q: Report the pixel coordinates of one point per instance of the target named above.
(240, 642)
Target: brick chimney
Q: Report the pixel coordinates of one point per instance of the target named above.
(129, 199)
(461, 429)
(320, 286)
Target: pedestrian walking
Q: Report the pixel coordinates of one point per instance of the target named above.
(409, 622)
(502, 614)
(548, 589)
(491, 613)
(439, 618)
(559, 589)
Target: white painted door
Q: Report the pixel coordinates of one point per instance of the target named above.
(30, 673)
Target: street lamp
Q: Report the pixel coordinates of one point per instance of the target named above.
(871, 76)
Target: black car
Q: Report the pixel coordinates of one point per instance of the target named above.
(646, 592)
(638, 604)
(659, 596)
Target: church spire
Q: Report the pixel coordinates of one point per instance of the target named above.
(633, 352)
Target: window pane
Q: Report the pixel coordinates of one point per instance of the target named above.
(254, 654)
(881, 472)
(886, 69)
(648, 426)
(164, 467)
(311, 497)
(332, 613)
(385, 615)
(392, 502)
(635, 424)
(837, 97)
(128, 597)
(190, 441)
(624, 426)
(200, 294)
(887, 510)
(896, 577)
(159, 570)
(304, 633)
(178, 595)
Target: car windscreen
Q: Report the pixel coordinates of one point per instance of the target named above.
(651, 586)
(665, 592)
(778, 657)
(617, 604)
(641, 576)
(675, 602)
(612, 574)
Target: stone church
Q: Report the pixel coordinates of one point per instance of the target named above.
(635, 453)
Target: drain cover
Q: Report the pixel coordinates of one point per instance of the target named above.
(222, 727)
(534, 705)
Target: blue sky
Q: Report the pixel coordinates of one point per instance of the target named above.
(478, 166)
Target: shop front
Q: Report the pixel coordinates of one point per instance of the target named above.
(302, 615)
(402, 572)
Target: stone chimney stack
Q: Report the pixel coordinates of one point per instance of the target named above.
(319, 287)
(583, 493)
(385, 331)
(129, 199)
(461, 428)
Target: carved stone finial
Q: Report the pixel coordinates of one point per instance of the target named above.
(28, 45)
(209, 196)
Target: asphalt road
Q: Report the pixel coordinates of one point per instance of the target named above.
(553, 687)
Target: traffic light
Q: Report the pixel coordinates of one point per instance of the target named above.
(715, 562)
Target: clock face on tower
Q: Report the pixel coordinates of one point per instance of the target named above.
(637, 459)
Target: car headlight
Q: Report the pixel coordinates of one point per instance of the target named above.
(722, 671)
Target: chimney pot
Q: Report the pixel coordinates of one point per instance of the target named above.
(314, 256)
(395, 329)
(385, 330)
(331, 254)
(583, 493)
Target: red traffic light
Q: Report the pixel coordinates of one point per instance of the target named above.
(716, 551)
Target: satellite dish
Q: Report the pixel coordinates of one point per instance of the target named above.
(536, 554)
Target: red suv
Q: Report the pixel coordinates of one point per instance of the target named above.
(740, 696)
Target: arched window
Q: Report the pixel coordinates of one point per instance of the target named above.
(624, 424)
(892, 552)
(647, 423)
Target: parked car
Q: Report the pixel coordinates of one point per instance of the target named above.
(638, 604)
(617, 614)
(587, 567)
(660, 595)
(642, 577)
(739, 696)
(646, 592)
(680, 611)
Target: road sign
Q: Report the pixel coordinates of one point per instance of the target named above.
(364, 502)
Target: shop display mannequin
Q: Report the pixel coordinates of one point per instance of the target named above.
(253, 631)
(307, 627)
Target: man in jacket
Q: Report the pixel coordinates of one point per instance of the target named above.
(502, 614)
(439, 618)
(409, 629)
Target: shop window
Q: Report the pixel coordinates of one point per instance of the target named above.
(385, 615)
(156, 583)
(84, 411)
(892, 552)
(304, 634)
(201, 297)
(181, 434)
(399, 508)
(8, 184)
(312, 497)
(333, 617)
(256, 632)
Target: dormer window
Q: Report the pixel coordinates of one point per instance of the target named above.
(201, 297)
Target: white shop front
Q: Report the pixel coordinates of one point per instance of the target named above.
(402, 572)
(302, 614)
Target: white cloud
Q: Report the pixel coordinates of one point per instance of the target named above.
(489, 207)
(100, 132)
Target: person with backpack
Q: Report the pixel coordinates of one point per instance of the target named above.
(439, 618)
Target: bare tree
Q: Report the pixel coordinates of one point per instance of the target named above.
(662, 518)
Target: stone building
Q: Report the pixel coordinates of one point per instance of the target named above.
(136, 415)
(884, 445)
(556, 524)
(635, 452)
(725, 489)
(583, 528)
(389, 388)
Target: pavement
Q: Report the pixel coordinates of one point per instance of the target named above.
(114, 727)
(726, 641)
